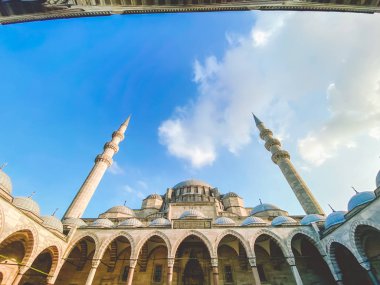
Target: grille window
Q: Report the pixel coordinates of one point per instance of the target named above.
(157, 275)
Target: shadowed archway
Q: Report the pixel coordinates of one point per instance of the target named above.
(272, 265)
(311, 265)
(78, 264)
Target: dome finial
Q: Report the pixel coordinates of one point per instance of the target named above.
(3, 165)
(55, 211)
(260, 202)
(354, 189)
(125, 202)
(31, 195)
(332, 209)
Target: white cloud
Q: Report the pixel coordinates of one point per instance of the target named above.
(130, 190)
(285, 57)
(115, 169)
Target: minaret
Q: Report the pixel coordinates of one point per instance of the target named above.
(282, 159)
(102, 162)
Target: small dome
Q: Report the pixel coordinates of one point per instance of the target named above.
(283, 220)
(378, 180)
(51, 222)
(132, 223)
(154, 196)
(102, 223)
(360, 199)
(5, 182)
(253, 221)
(27, 204)
(192, 214)
(230, 194)
(121, 210)
(224, 221)
(335, 218)
(264, 207)
(160, 222)
(74, 222)
(312, 218)
(191, 182)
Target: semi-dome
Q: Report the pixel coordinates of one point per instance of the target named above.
(132, 223)
(335, 218)
(51, 222)
(253, 221)
(154, 196)
(160, 222)
(192, 214)
(230, 194)
(124, 210)
(378, 180)
(224, 221)
(283, 220)
(5, 182)
(74, 222)
(191, 182)
(312, 218)
(27, 204)
(102, 223)
(264, 207)
(360, 198)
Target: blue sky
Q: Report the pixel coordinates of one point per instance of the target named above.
(190, 82)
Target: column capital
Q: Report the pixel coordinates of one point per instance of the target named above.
(95, 263)
(214, 262)
(291, 260)
(171, 262)
(365, 264)
(132, 263)
(252, 261)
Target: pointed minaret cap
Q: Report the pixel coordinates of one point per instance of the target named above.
(124, 125)
(257, 120)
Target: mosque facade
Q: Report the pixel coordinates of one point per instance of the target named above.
(191, 234)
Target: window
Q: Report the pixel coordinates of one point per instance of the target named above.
(124, 277)
(228, 274)
(261, 272)
(157, 274)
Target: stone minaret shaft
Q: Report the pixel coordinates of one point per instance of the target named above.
(102, 162)
(282, 159)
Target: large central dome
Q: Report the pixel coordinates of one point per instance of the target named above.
(192, 182)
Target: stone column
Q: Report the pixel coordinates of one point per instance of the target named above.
(293, 267)
(20, 274)
(367, 266)
(170, 271)
(91, 275)
(256, 278)
(215, 271)
(132, 265)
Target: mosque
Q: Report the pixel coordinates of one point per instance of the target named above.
(191, 234)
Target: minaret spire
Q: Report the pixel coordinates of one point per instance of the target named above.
(102, 162)
(282, 159)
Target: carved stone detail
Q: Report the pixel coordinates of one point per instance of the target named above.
(112, 145)
(280, 155)
(104, 158)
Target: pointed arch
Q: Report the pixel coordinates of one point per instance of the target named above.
(314, 240)
(355, 239)
(140, 244)
(105, 244)
(19, 233)
(198, 234)
(239, 236)
(78, 239)
(277, 239)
